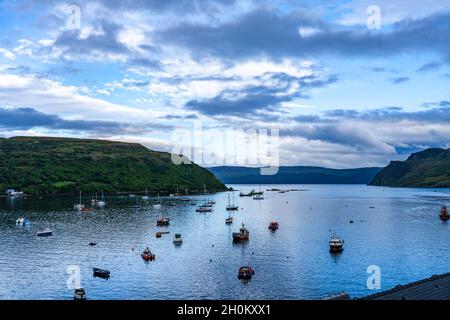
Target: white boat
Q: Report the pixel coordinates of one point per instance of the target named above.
(45, 233)
(203, 209)
(157, 205)
(79, 206)
(177, 239)
(23, 222)
(146, 197)
(232, 206)
(258, 197)
(336, 244)
(101, 203)
(13, 193)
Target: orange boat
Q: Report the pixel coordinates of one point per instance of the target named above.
(147, 255)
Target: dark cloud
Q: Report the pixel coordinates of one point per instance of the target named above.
(264, 33)
(399, 80)
(28, 118)
(431, 66)
(254, 100)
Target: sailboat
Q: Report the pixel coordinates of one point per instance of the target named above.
(79, 206)
(145, 198)
(258, 195)
(136, 206)
(157, 205)
(185, 198)
(207, 205)
(102, 202)
(231, 206)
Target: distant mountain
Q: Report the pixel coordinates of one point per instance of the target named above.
(295, 175)
(40, 165)
(428, 168)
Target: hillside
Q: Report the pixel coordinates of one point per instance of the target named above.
(428, 168)
(61, 165)
(294, 175)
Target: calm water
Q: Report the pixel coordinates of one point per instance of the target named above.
(402, 235)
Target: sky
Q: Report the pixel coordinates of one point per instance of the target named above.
(346, 83)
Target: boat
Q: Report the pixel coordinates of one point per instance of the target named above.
(45, 233)
(273, 226)
(251, 193)
(79, 206)
(242, 235)
(246, 273)
(92, 244)
(185, 198)
(229, 220)
(203, 209)
(101, 203)
(101, 273)
(258, 197)
(146, 197)
(147, 255)
(23, 222)
(79, 294)
(157, 205)
(177, 239)
(87, 210)
(336, 244)
(160, 233)
(13, 193)
(231, 206)
(163, 222)
(136, 206)
(443, 214)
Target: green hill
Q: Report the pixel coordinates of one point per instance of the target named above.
(41, 165)
(428, 168)
(295, 175)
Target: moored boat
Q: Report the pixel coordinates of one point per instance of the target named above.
(79, 294)
(203, 209)
(443, 214)
(242, 235)
(163, 222)
(23, 222)
(101, 273)
(251, 193)
(231, 205)
(336, 244)
(177, 239)
(229, 220)
(273, 226)
(147, 255)
(79, 206)
(246, 273)
(45, 233)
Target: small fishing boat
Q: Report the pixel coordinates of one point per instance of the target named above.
(242, 235)
(45, 233)
(163, 222)
(177, 239)
(443, 214)
(336, 244)
(232, 206)
(101, 273)
(92, 244)
(273, 226)
(147, 255)
(79, 294)
(23, 222)
(246, 273)
(258, 197)
(229, 220)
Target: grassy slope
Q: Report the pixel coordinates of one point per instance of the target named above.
(429, 168)
(60, 165)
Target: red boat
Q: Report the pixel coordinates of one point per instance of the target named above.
(273, 226)
(147, 255)
(443, 214)
(87, 210)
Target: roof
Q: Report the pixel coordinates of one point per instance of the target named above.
(436, 287)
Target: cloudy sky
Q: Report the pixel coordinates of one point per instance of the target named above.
(344, 90)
